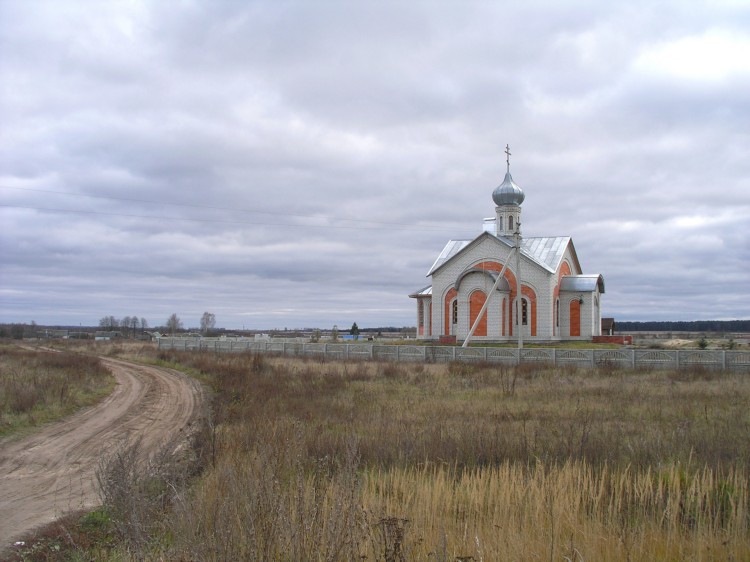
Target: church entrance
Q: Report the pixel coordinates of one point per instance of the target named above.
(575, 318)
(476, 302)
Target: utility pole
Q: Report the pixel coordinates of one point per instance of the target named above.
(519, 296)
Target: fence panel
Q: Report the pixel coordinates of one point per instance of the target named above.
(700, 358)
(360, 351)
(616, 357)
(737, 360)
(536, 355)
(471, 354)
(440, 354)
(385, 352)
(296, 349)
(504, 355)
(411, 353)
(631, 358)
(315, 349)
(656, 358)
(336, 350)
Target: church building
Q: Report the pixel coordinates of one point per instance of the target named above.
(475, 284)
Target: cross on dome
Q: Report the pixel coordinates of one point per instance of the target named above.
(508, 192)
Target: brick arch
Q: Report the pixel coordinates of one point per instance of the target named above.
(530, 294)
(476, 302)
(449, 296)
(511, 279)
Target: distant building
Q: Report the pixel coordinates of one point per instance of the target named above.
(558, 302)
(608, 326)
(106, 336)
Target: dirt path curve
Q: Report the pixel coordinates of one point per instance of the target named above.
(52, 472)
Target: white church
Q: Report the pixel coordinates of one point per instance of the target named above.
(476, 284)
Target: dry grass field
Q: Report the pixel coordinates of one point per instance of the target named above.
(331, 461)
(38, 387)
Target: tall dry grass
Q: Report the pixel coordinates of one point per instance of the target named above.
(378, 461)
(478, 415)
(37, 387)
(571, 511)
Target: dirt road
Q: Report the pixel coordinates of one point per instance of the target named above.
(52, 472)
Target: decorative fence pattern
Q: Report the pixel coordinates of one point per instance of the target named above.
(630, 358)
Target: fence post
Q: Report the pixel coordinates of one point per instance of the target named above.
(398, 354)
(346, 350)
(723, 360)
(554, 357)
(632, 358)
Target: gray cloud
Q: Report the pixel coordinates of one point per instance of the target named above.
(296, 164)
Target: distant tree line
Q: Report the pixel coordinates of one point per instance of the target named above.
(129, 324)
(682, 326)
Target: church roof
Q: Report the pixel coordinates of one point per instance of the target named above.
(546, 251)
(582, 283)
(425, 292)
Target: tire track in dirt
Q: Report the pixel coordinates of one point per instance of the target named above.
(52, 472)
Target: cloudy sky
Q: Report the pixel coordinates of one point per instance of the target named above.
(292, 164)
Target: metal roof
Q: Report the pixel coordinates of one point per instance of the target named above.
(546, 251)
(582, 283)
(426, 292)
(450, 250)
(508, 192)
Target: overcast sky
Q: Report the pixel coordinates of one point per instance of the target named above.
(294, 164)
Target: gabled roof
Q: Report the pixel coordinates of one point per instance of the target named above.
(450, 250)
(545, 251)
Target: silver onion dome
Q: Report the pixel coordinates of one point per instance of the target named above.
(508, 192)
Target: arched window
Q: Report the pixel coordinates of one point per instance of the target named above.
(455, 311)
(510, 222)
(557, 313)
(524, 312)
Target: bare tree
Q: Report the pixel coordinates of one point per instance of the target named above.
(144, 324)
(133, 325)
(109, 323)
(208, 321)
(125, 323)
(174, 323)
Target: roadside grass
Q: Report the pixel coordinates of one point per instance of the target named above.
(78, 536)
(37, 387)
(311, 460)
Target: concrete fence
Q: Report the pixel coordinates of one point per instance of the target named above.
(629, 358)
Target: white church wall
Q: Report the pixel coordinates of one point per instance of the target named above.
(489, 249)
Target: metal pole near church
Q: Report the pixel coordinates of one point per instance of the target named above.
(519, 304)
